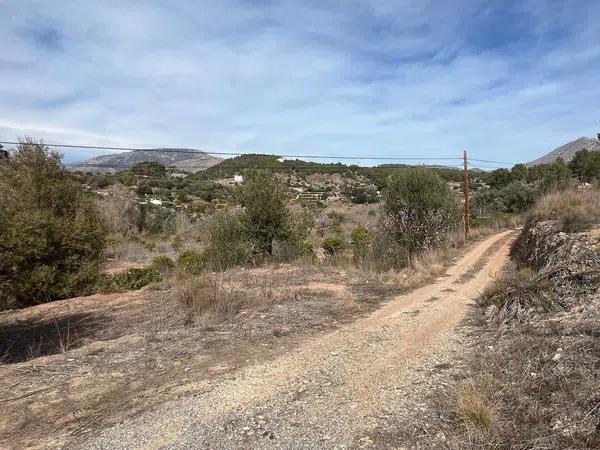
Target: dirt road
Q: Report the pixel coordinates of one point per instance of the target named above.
(334, 391)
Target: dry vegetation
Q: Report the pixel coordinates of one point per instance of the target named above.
(71, 366)
(74, 365)
(531, 378)
(575, 210)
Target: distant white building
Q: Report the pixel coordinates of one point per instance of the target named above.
(156, 201)
(238, 178)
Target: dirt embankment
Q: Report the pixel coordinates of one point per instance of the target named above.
(546, 249)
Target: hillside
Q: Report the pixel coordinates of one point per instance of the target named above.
(567, 151)
(189, 160)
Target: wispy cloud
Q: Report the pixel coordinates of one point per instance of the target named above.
(507, 80)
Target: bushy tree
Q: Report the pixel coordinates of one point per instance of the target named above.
(551, 176)
(265, 217)
(513, 198)
(150, 169)
(362, 194)
(52, 236)
(586, 165)
(419, 208)
(143, 188)
(519, 172)
(499, 178)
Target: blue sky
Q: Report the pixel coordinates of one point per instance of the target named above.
(506, 80)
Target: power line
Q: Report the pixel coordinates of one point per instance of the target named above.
(489, 161)
(197, 151)
(190, 150)
(318, 169)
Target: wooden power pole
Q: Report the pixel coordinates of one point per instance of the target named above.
(466, 189)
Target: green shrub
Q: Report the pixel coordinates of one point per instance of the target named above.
(149, 168)
(229, 244)
(333, 245)
(176, 243)
(360, 240)
(149, 245)
(163, 264)
(52, 236)
(515, 197)
(336, 228)
(192, 262)
(155, 219)
(307, 249)
(136, 278)
(361, 194)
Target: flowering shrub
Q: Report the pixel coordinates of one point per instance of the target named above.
(419, 209)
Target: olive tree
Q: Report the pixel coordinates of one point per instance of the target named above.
(265, 216)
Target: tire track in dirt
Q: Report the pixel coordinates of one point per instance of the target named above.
(331, 391)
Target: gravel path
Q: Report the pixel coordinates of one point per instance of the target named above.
(334, 390)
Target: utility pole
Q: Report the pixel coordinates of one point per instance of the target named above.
(466, 191)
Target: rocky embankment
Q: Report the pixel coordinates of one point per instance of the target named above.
(547, 249)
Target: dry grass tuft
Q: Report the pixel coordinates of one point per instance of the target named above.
(422, 269)
(210, 294)
(576, 210)
(473, 407)
(431, 262)
(130, 251)
(202, 294)
(351, 304)
(518, 296)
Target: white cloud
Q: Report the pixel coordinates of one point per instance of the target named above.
(361, 78)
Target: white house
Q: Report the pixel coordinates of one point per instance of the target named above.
(238, 178)
(156, 201)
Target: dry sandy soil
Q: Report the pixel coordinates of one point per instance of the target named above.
(122, 370)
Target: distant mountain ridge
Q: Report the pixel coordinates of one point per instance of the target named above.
(567, 151)
(184, 159)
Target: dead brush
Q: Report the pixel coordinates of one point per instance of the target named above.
(204, 294)
(209, 294)
(576, 210)
(423, 267)
(473, 407)
(351, 304)
(430, 262)
(516, 297)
